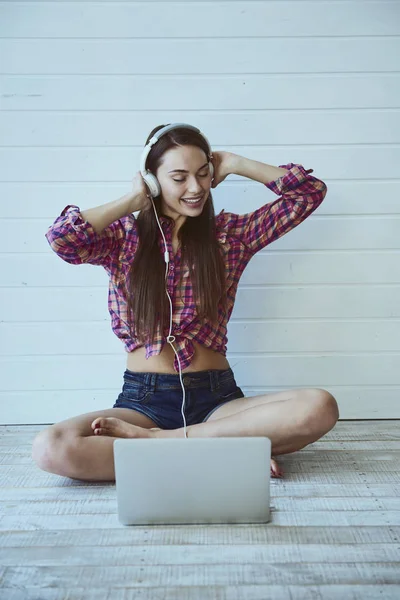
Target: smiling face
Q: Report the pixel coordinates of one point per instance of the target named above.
(185, 180)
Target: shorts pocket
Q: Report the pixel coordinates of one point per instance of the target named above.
(134, 393)
(226, 393)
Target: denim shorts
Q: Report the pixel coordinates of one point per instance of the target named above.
(159, 395)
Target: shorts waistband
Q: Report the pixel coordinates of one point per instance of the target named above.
(211, 379)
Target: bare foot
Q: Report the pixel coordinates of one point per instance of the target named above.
(276, 471)
(114, 427)
(118, 428)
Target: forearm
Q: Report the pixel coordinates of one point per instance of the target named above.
(255, 170)
(102, 216)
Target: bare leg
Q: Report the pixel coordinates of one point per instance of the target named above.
(70, 448)
(116, 427)
(291, 424)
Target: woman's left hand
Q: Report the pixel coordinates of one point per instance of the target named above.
(223, 166)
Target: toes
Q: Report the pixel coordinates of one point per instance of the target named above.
(96, 423)
(276, 471)
(100, 426)
(276, 475)
(102, 431)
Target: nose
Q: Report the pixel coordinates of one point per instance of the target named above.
(194, 188)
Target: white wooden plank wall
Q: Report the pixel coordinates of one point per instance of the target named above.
(82, 84)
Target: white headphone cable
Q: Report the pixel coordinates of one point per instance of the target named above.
(171, 338)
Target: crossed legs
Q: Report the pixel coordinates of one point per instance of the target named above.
(82, 447)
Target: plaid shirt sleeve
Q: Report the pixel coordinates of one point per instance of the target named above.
(75, 241)
(300, 193)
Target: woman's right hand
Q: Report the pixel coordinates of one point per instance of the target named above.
(140, 196)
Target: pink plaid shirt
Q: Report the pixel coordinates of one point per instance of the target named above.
(240, 236)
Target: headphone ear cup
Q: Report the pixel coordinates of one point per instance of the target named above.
(152, 183)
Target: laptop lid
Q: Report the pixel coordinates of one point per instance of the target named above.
(198, 480)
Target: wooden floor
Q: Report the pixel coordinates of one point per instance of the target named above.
(334, 534)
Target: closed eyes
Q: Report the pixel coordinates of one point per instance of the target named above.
(181, 180)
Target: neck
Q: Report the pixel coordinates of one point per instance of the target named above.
(178, 222)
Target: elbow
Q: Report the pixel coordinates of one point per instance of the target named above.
(320, 193)
(64, 251)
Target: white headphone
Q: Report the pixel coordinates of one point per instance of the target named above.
(150, 179)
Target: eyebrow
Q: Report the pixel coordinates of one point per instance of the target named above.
(183, 171)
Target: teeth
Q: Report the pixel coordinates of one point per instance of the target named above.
(192, 201)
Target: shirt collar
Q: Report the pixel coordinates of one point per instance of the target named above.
(165, 221)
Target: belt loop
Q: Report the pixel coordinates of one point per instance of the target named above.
(214, 380)
(154, 381)
(150, 381)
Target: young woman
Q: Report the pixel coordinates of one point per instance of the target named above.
(207, 256)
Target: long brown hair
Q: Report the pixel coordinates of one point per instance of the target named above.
(148, 304)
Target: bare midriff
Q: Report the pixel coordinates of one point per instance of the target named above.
(204, 359)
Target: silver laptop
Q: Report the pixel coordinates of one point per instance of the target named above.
(180, 481)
